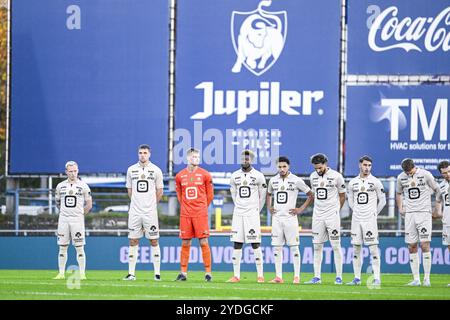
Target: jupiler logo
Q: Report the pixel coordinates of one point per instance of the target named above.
(260, 39)
(417, 34)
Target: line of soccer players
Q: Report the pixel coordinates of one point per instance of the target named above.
(249, 192)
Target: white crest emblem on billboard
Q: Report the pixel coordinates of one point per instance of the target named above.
(260, 38)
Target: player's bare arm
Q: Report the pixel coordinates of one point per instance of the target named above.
(399, 201)
(302, 208)
(350, 197)
(439, 213)
(88, 206)
(437, 210)
(341, 199)
(130, 192)
(159, 194)
(269, 204)
(57, 199)
(438, 202)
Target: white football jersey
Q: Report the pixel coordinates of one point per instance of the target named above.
(444, 186)
(72, 197)
(416, 190)
(366, 197)
(326, 190)
(143, 182)
(285, 192)
(248, 190)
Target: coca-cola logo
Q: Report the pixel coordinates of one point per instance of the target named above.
(430, 34)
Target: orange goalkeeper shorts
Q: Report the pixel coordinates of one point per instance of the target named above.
(194, 227)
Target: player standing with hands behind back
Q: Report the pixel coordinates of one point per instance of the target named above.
(195, 192)
(145, 189)
(248, 190)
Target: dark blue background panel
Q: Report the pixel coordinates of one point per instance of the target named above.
(89, 83)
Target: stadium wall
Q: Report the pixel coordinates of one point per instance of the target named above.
(111, 253)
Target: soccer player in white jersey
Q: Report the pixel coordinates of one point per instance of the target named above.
(284, 188)
(145, 189)
(73, 199)
(414, 188)
(444, 169)
(248, 190)
(366, 198)
(328, 186)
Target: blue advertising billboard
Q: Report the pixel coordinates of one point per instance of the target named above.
(258, 75)
(89, 83)
(398, 37)
(111, 253)
(391, 123)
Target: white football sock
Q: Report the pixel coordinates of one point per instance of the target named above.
(376, 263)
(156, 255)
(357, 261)
(296, 255)
(81, 258)
(132, 258)
(414, 263)
(278, 254)
(336, 245)
(259, 261)
(62, 259)
(426, 258)
(237, 256)
(318, 253)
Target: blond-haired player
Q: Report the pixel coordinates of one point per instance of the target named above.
(73, 199)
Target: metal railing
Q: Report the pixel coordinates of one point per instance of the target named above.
(43, 199)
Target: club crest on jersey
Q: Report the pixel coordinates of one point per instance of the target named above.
(362, 188)
(70, 192)
(322, 184)
(143, 176)
(258, 38)
(413, 184)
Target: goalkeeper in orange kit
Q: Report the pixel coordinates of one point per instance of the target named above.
(195, 192)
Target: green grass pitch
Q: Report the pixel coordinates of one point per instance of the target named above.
(107, 285)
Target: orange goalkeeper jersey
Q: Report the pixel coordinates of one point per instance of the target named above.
(195, 192)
